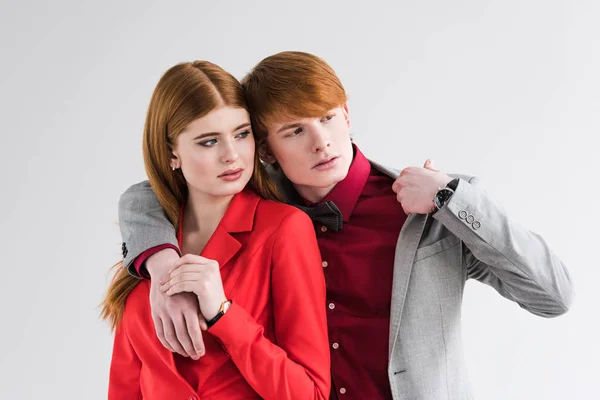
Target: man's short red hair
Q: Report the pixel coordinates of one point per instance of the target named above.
(289, 85)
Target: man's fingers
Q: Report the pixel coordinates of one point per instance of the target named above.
(203, 324)
(160, 332)
(395, 186)
(429, 165)
(406, 210)
(171, 337)
(192, 322)
(399, 198)
(398, 184)
(181, 330)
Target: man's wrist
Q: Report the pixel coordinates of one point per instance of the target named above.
(445, 181)
(160, 262)
(444, 194)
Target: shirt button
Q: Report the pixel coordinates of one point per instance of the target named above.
(323, 228)
(335, 345)
(331, 306)
(343, 390)
(192, 398)
(325, 264)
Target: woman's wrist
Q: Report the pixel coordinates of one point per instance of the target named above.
(212, 308)
(222, 310)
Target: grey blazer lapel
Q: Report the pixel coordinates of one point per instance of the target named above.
(406, 247)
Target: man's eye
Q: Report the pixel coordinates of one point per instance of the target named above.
(327, 118)
(293, 133)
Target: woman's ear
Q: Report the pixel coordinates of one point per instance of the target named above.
(175, 162)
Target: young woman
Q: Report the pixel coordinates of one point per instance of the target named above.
(252, 262)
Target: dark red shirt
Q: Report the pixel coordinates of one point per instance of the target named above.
(358, 264)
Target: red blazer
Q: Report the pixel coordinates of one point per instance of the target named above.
(272, 342)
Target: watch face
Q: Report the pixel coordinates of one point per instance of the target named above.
(442, 197)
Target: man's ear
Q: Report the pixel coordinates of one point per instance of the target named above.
(265, 154)
(346, 114)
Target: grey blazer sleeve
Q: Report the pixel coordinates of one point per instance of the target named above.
(143, 223)
(498, 252)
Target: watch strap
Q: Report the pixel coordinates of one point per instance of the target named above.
(222, 310)
(453, 184)
(444, 194)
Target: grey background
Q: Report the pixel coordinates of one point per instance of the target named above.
(506, 90)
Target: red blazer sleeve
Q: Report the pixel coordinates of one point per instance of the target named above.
(125, 368)
(298, 366)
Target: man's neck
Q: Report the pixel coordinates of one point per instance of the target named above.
(313, 194)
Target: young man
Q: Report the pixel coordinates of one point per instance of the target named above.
(396, 248)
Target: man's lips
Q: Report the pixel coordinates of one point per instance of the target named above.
(325, 162)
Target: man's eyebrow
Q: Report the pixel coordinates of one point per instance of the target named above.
(288, 126)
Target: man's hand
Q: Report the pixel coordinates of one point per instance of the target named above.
(177, 319)
(416, 187)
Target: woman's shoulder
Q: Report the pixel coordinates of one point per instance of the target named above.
(279, 214)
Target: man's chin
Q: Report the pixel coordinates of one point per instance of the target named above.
(329, 181)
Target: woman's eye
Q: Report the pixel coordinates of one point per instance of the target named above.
(327, 118)
(243, 135)
(208, 143)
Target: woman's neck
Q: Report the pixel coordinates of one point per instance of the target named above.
(201, 217)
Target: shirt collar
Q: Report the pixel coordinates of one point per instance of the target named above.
(346, 193)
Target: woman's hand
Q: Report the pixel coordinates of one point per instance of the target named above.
(199, 275)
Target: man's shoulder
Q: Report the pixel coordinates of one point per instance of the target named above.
(135, 190)
(393, 172)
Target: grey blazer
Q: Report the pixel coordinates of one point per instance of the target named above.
(470, 237)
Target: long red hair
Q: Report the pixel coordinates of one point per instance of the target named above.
(186, 92)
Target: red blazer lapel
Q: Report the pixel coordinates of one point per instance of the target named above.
(222, 245)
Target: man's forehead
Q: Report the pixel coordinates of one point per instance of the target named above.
(283, 123)
(288, 119)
